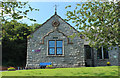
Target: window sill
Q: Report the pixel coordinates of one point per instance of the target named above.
(56, 55)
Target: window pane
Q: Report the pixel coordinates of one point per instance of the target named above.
(106, 56)
(51, 50)
(87, 51)
(99, 53)
(59, 43)
(51, 43)
(59, 50)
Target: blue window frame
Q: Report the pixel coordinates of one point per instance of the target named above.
(55, 47)
(51, 47)
(59, 47)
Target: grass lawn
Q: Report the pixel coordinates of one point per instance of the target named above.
(81, 71)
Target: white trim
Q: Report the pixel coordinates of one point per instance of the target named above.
(102, 53)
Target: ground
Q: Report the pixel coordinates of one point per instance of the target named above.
(81, 71)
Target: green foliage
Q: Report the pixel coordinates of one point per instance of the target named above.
(35, 26)
(12, 10)
(67, 6)
(99, 20)
(15, 10)
(14, 43)
(14, 30)
(11, 68)
(49, 66)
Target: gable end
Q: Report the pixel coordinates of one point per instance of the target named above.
(49, 19)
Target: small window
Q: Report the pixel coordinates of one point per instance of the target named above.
(55, 47)
(55, 37)
(102, 53)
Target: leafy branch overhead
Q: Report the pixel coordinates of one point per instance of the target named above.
(99, 21)
(15, 10)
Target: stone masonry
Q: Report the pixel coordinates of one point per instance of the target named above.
(73, 49)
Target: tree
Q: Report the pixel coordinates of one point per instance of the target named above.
(14, 10)
(14, 48)
(99, 22)
(35, 26)
(14, 30)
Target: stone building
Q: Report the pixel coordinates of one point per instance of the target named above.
(101, 56)
(50, 43)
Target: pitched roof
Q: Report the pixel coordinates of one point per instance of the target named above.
(49, 19)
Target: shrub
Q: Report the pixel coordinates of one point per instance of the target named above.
(49, 66)
(108, 63)
(11, 69)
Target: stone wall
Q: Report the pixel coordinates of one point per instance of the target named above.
(113, 58)
(73, 53)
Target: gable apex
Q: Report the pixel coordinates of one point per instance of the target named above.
(51, 18)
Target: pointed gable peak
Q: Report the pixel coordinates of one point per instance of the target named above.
(55, 15)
